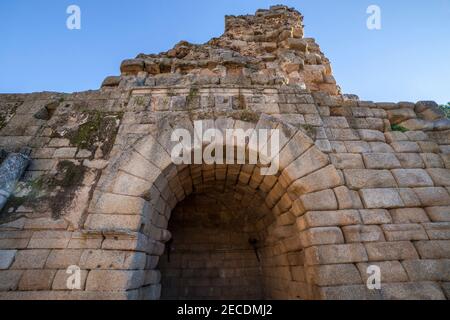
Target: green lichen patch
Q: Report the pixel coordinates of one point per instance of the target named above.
(309, 130)
(247, 116)
(48, 193)
(99, 129)
(397, 127)
(7, 112)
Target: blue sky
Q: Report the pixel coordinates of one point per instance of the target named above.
(407, 60)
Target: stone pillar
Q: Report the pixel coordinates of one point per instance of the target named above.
(12, 168)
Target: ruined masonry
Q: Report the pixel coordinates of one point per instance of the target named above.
(360, 183)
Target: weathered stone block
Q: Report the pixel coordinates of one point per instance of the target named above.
(434, 249)
(7, 258)
(9, 279)
(433, 196)
(30, 259)
(360, 233)
(62, 259)
(381, 198)
(322, 200)
(363, 178)
(382, 251)
(409, 215)
(113, 280)
(347, 199)
(110, 260)
(412, 178)
(375, 216)
(412, 291)
(36, 280)
(347, 161)
(381, 161)
(427, 270)
(328, 218)
(326, 275)
(438, 231)
(439, 214)
(325, 178)
(441, 177)
(320, 236)
(401, 232)
(334, 254)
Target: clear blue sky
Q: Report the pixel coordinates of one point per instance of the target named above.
(408, 59)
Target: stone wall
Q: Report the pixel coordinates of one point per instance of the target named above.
(360, 183)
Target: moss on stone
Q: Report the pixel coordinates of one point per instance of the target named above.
(310, 130)
(247, 116)
(49, 192)
(99, 128)
(397, 127)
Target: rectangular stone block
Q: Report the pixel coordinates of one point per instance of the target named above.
(368, 179)
(350, 292)
(381, 198)
(325, 178)
(439, 214)
(333, 275)
(383, 251)
(381, 161)
(404, 232)
(438, 230)
(371, 135)
(360, 233)
(308, 162)
(322, 200)
(108, 222)
(50, 240)
(375, 216)
(347, 199)
(62, 259)
(412, 291)
(441, 177)
(106, 260)
(328, 218)
(107, 203)
(9, 279)
(113, 280)
(36, 280)
(7, 258)
(430, 197)
(434, 249)
(347, 161)
(30, 259)
(335, 254)
(411, 178)
(405, 146)
(411, 160)
(409, 215)
(428, 270)
(321, 236)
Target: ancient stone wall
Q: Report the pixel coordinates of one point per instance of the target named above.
(359, 183)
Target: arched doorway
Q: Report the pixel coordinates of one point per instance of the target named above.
(230, 231)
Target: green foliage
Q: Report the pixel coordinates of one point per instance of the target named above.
(396, 127)
(446, 109)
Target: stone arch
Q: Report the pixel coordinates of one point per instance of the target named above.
(136, 195)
